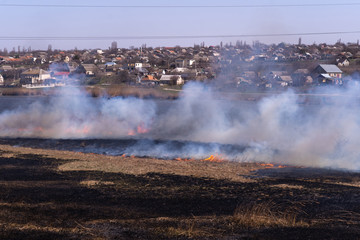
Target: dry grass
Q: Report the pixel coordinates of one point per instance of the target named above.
(26, 92)
(288, 186)
(125, 91)
(120, 164)
(112, 91)
(90, 183)
(266, 214)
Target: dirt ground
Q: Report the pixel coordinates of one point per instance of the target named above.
(49, 194)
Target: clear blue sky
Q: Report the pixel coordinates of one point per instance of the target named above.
(21, 21)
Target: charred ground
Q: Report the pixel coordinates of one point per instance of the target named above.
(61, 195)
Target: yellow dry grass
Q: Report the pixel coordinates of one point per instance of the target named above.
(266, 214)
(137, 166)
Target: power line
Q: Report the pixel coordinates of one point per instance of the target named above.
(62, 38)
(182, 6)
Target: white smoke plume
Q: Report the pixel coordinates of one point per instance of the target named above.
(75, 115)
(276, 129)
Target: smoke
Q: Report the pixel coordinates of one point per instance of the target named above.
(323, 133)
(75, 115)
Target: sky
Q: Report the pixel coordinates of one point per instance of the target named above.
(165, 26)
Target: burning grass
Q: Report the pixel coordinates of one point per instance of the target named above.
(48, 194)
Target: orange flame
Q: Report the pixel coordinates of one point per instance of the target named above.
(35, 129)
(214, 158)
(270, 165)
(84, 130)
(140, 129)
(185, 159)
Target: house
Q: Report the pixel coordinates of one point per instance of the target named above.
(274, 74)
(149, 80)
(325, 78)
(181, 63)
(129, 66)
(243, 82)
(251, 75)
(330, 69)
(34, 76)
(284, 80)
(344, 62)
(5, 68)
(87, 69)
(109, 68)
(2, 82)
(180, 70)
(186, 73)
(171, 79)
(142, 65)
(327, 74)
(59, 70)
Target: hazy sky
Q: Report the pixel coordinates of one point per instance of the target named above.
(112, 22)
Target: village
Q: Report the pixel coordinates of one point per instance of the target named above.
(238, 66)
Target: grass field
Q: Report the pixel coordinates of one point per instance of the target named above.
(49, 194)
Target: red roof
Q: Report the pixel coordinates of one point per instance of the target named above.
(61, 73)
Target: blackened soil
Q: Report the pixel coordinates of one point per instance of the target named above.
(39, 202)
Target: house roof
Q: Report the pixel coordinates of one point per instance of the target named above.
(149, 78)
(61, 73)
(168, 77)
(89, 67)
(110, 64)
(35, 71)
(142, 70)
(302, 71)
(278, 73)
(325, 75)
(180, 70)
(286, 78)
(330, 68)
(6, 67)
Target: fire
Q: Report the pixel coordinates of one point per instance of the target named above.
(267, 165)
(131, 133)
(270, 165)
(214, 158)
(84, 130)
(140, 129)
(27, 130)
(185, 159)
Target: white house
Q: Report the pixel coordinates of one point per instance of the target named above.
(142, 65)
(34, 76)
(171, 79)
(343, 62)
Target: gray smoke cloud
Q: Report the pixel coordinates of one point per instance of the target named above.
(275, 129)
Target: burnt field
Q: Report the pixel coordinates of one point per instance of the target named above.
(52, 194)
(139, 147)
